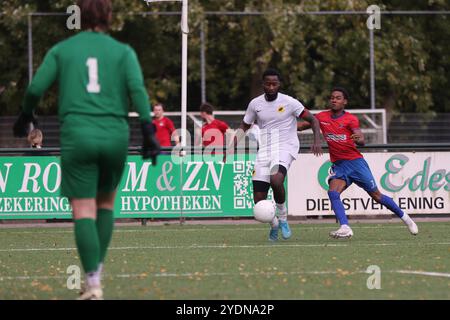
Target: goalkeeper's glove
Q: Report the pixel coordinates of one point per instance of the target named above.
(22, 126)
(150, 145)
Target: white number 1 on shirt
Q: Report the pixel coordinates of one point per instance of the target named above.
(93, 85)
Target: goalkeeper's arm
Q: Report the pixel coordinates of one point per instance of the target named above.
(136, 87)
(140, 100)
(150, 145)
(45, 76)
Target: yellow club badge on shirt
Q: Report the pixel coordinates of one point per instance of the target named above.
(281, 109)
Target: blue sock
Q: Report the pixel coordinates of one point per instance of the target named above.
(391, 205)
(338, 207)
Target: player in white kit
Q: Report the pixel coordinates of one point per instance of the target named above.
(276, 115)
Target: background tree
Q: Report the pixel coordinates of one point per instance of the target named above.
(313, 52)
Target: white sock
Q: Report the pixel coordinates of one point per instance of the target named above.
(100, 268)
(406, 219)
(93, 279)
(100, 271)
(282, 211)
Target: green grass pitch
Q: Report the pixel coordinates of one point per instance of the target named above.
(192, 261)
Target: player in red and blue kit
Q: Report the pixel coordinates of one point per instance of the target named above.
(342, 133)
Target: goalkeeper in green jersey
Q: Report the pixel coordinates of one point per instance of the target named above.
(96, 76)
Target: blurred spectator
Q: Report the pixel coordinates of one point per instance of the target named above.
(164, 127)
(35, 138)
(213, 130)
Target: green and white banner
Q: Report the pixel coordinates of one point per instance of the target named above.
(198, 187)
(419, 182)
(29, 188)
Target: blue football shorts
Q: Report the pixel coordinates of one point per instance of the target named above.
(354, 171)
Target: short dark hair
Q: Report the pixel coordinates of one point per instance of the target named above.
(342, 90)
(159, 104)
(271, 72)
(95, 13)
(207, 108)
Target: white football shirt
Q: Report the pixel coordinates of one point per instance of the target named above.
(277, 121)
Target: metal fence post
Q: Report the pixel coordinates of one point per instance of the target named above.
(372, 71)
(30, 48)
(202, 61)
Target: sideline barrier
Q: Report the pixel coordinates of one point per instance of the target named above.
(419, 182)
(199, 188)
(30, 188)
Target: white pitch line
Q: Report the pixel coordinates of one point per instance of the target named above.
(5, 278)
(224, 274)
(188, 274)
(181, 247)
(243, 274)
(231, 246)
(424, 273)
(202, 229)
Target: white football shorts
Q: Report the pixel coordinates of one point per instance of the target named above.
(267, 166)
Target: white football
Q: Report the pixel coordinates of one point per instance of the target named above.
(264, 211)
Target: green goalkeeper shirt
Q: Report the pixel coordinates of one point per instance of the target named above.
(96, 76)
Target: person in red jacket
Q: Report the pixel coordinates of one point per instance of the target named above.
(164, 127)
(213, 131)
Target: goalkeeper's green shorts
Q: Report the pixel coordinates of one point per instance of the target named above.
(92, 161)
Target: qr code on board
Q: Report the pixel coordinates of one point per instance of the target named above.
(242, 184)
